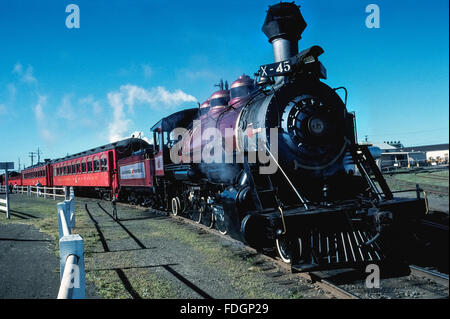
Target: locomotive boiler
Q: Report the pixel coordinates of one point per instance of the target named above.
(265, 160)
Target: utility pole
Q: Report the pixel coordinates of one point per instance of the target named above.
(31, 155)
(39, 155)
(19, 164)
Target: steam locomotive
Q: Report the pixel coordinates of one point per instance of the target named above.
(271, 160)
(313, 193)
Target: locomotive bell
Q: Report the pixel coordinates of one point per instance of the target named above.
(284, 26)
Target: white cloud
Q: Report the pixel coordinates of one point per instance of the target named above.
(18, 69)
(65, 110)
(132, 95)
(41, 118)
(38, 108)
(89, 101)
(155, 97)
(26, 76)
(140, 134)
(119, 126)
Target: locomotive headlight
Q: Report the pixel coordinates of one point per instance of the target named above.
(316, 126)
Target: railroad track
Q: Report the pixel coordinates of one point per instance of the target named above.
(318, 279)
(434, 225)
(430, 274)
(420, 279)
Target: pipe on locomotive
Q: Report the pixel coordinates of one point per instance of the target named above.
(284, 25)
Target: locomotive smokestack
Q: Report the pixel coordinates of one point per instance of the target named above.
(284, 26)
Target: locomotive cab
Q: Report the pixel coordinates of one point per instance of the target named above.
(164, 141)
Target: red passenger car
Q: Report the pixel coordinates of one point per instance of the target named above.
(38, 173)
(14, 178)
(136, 175)
(95, 170)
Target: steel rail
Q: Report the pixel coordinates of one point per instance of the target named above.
(438, 277)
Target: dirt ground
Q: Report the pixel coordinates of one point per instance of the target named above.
(144, 255)
(30, 268)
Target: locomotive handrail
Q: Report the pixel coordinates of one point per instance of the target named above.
(287, 178)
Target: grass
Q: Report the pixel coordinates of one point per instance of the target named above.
(218, 257)
(438, 180)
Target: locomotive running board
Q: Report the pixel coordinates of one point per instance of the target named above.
(340, 250)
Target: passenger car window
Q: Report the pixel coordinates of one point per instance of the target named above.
(104, 164)
(89, 165)
(96, 165)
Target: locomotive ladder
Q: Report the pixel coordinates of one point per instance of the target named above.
(366, 165)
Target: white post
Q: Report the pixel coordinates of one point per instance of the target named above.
(7, 194)
(37, 191)
(45, 192)
(72, 245)
(54, 193)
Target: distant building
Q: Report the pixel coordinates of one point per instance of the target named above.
(437, 153)
(394, 155)
(396, 144)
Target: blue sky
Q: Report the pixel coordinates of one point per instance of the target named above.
(132, 62)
